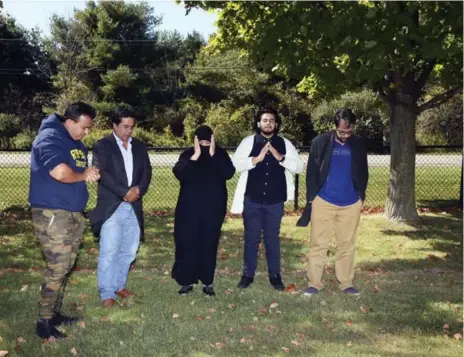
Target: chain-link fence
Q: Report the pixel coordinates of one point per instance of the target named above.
(438, 178)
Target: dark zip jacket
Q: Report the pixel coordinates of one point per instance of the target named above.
(319, 164)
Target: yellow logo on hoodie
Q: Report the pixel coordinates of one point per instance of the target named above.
(80, 160)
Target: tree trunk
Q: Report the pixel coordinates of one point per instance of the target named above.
(401, 196)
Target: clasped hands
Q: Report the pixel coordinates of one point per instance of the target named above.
(132, 195)
(268, 147)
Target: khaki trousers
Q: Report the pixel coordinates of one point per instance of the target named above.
(325, 218)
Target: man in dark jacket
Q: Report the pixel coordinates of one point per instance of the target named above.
(202, 171)
(58, 196)
(336, 182)
(117, 219)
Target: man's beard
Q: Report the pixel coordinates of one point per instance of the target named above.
(342, 140)
(267, 131)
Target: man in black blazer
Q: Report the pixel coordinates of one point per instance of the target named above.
(125, 175)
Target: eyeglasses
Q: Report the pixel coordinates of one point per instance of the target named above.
(344, 133)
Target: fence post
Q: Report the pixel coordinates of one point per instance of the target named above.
(297, 191)
(460, 189)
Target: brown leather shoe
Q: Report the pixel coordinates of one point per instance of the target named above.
(124, 293)
(108, 302)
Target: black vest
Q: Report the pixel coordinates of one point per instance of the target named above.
(266, 182)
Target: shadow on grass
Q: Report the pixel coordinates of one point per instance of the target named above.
(444, 234)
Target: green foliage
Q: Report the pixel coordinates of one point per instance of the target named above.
(230, 126)
(442, 125)
(333, 47)
(9, 127)
(236, 90)
(118, 81)
(94, 136)
(23, 141)
(371, 114)
(24, 72)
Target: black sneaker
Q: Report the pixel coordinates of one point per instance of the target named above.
(45, 329)
(276, 282)
(245, 281)
(208, 290)
(185, 289)
(60, 319)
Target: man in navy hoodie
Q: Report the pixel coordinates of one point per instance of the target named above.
(58, 196)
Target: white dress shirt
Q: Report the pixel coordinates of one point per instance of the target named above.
(127, 156)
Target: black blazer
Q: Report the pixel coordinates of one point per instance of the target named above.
(319, 163)
(113, 185)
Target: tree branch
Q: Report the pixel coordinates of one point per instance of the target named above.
(439, 99)
(423, 77)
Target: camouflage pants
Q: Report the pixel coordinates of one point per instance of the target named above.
(60, 234)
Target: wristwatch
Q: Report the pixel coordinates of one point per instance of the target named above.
(283, 159)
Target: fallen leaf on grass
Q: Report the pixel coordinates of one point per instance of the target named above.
(82, 324)
(175, 316)
(375, 289)
(296, 343)
(104, 318)
(291, 288)
(285, 349)
(212, 310)
(364, 309)
(273, 305)
(24, 288)
(73, 351)
(199, 318)
(228, 292)
(457, 336)
(218, 345)
(349, 344)
(232, 306)
(83, 296)
(74, 282)
(348, 323)
(244, 340)
(323, 303)
(446, 326)
(3, 353)
(21, 340)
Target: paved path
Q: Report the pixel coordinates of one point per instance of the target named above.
(21, 159)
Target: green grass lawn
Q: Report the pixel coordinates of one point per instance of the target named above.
(434, 186)
(411, 302)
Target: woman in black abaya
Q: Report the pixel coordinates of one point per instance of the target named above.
(202, 172)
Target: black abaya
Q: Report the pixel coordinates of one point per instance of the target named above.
(199, 214)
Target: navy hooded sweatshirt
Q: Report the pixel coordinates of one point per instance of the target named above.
(53, 146)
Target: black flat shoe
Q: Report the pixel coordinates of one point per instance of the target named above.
(60, 319)
(208, 290)
(245, 281)
(185, 289)
(276, 282)
(45, 329)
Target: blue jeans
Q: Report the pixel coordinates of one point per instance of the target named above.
(262, 218)
(119, 241)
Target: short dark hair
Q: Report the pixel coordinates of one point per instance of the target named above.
(267, 110)
(344, 114)
(120, 113)
(76, 109)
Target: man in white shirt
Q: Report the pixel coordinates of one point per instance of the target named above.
(117, 220)
(267, 163)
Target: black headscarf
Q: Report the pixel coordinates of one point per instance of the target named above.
(204, 132)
